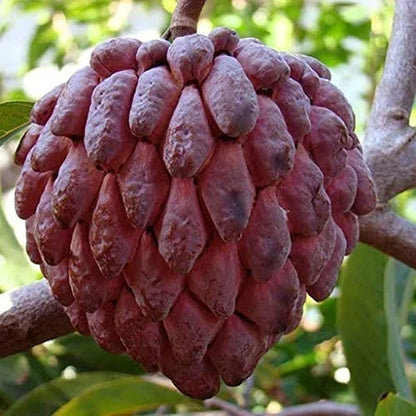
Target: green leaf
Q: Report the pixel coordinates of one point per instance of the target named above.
(122, 396)
(369, 327)
(84, 353)
(14, 117)
(405, 287)
(393, 405)
(15, 269)
(44, 38)
(395, 275)
(48, 397)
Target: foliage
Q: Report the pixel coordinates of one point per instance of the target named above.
(393, 405)
(374, 305)
(14, 117)
(370, 325)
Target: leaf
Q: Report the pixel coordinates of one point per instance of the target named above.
(392, 304)
(48, 397)
(13, 370)
(14, 267)
(368, 323)
(14, 117)
(84, 353)
(44, 38)
(405, 286)
(123, 396)
(393, 405)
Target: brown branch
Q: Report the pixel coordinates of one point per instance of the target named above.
(184, 18)
(29, 316)
(390, 233)
(390, 145)
(229, 408)
(392, 161)
(322, 408)
(396, 91)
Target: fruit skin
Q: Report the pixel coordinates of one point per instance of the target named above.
(182, 199)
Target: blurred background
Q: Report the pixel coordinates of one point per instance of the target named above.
(43, 42)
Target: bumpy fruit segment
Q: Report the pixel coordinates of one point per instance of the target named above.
(70, 113)
(154, 285)
(182, 235)
(182, 199)
(49, 151)
(189, 141)
(269, 149)
(113, 240)
(153, 103)
(227, 191)
(230, 97)
(108, 139)
(144, 185)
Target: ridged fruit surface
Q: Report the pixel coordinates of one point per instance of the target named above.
(182, 199)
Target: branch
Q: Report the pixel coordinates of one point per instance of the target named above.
(390, 145)
(29, 316)
(394, 235)
(322, 408)
(229, 408)
(184, 19)
(396, 91)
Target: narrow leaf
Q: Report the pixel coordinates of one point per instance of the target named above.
(123, 396)
(393, 405)
(14, 117)
(368, 324)
(405, 287)
(48, 397)
(392, 278)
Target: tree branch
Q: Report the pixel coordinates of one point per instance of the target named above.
(396, 91)
(29, 316)
(394, 235)
(184, 18)
(322, 408)
(229, 408)
(390, 145)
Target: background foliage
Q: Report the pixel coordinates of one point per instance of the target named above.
(362, 337)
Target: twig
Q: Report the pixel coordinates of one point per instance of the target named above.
(247, 390)
(29, 316)
(322, 408)
(390, 145)
(229, 408)
(184, 19)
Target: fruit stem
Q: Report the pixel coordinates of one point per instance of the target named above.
(184, 19)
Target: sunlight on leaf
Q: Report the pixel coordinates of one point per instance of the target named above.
(14, 117)
(394, 405)
(368, 320)
(48, 397)
(123, 396)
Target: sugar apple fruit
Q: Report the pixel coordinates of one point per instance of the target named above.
(183, 198)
